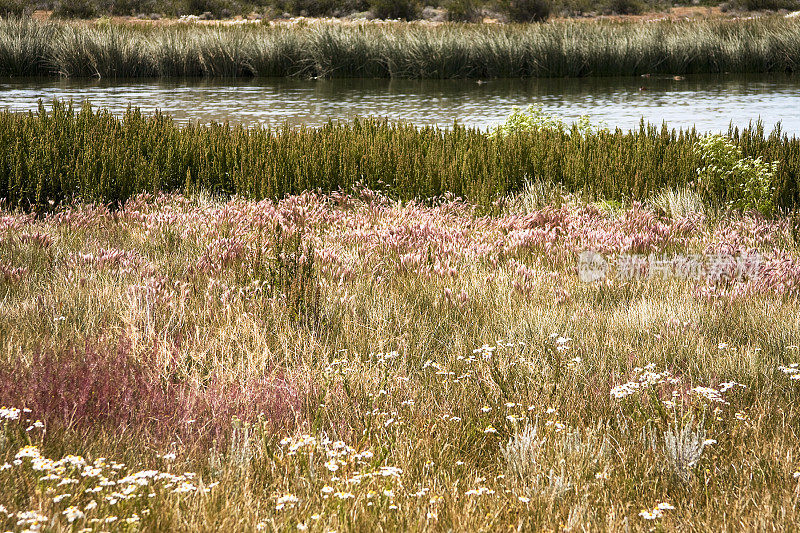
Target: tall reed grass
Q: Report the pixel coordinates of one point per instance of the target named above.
(556, 49)
(91, 155)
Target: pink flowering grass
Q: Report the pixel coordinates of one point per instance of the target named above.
(101, 387)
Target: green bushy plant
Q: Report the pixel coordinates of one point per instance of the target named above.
(529, 120)
(625, 7)
(764, 5)
(527, 10)
(318, 8)
(395, 9)
(463, 10)
(12, 8)
(136, 7)
(312, 8)
(217, 8)
(534, 118)
(741, 182)
(76, 9)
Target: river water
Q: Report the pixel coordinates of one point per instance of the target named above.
(710, 103)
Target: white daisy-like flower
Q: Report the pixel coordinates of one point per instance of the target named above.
(654, 514)
(72, 513)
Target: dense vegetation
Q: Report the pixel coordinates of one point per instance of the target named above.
(558, 49)
(96, 156)
(424, 368)
(461, 10)
(307, 329)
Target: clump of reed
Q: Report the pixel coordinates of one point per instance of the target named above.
(64, 154)
(556, 49)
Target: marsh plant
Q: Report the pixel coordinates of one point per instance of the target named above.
(397, 50)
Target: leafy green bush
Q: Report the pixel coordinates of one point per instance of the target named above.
(765, 5)
(527, 10)
(217, 8)
(534, 119)
(318, 8)
(730, 178)
(530, 120)
(395, 9)
(136, 7)
(126, 7)
(463, 10)
(76, 9)
(12, 8)
(625, 7)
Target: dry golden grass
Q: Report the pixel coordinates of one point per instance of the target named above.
(430, 369)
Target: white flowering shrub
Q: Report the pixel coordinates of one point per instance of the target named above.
(745, 183)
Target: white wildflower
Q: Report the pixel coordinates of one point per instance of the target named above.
(287, 500)
(73, 513)
(9, 413)
(712, 395)
(655, 514)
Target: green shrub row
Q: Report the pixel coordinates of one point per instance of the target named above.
(558, 49)
(460, 10)
(215, 9)
(65, 154)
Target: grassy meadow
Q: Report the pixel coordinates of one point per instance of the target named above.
(400, 50)
(351, 362)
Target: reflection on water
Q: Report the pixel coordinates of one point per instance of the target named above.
(708, 102)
